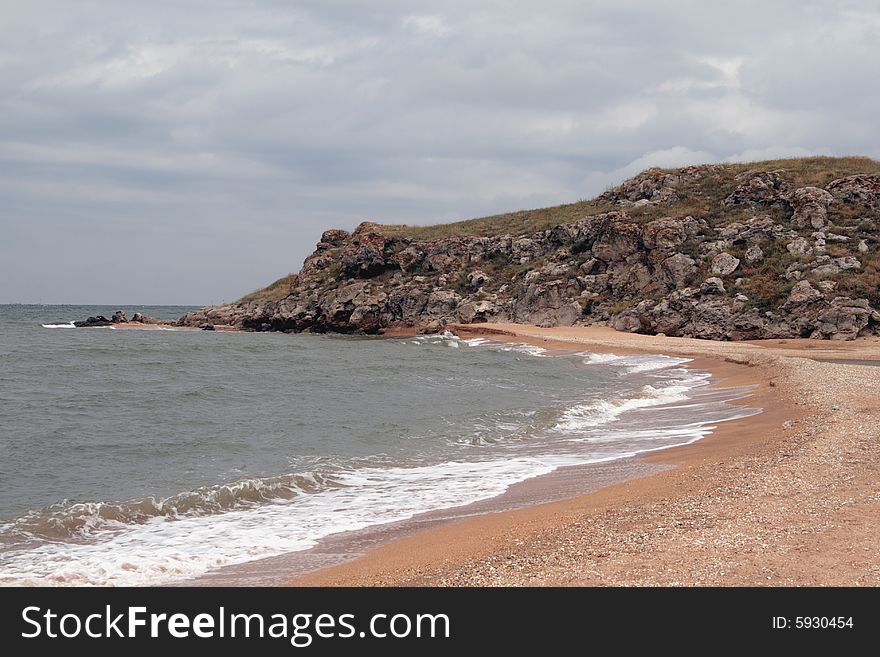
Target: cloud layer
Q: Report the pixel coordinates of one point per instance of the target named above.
(190, 152)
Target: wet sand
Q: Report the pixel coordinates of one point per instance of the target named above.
(788, 496)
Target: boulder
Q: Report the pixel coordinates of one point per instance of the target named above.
(679, 269)
(844, 319)
(801, 294)
(618, 242)
(652, 186)
(525, 249)
(724, 264)
(754, 254)
(476, 312)
(665, 233)
(332, 238)
(798, 246)
(364, 254)
(810, 206)
(477, 279)
(441, 303)
(858, 189)
(827, 266)
(712, 285)
(119, 317)
(758, 188)
(97, 320)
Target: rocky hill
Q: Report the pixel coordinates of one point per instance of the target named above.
(725, 252)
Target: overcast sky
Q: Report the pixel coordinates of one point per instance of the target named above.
(189, 152)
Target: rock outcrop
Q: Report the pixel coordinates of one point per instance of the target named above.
(662, 253)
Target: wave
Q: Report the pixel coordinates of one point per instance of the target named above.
(635, 362)
(165, 548)
(155, 540)
(596, 413)
(82, 520)
(69, 325)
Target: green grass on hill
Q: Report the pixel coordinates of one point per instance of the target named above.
(273, 292)
(711, 189)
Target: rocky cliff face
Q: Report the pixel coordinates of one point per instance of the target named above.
(722, 252)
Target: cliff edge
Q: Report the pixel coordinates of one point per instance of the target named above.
(724, 251)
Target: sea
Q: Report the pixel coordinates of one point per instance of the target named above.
(150, 457)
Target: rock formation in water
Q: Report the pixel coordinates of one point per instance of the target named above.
(724, 252)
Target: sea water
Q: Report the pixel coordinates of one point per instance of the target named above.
(141, 457)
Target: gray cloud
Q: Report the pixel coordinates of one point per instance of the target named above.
(190, 152)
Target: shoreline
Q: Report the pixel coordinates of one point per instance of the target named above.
(650, 529)
(562, 483)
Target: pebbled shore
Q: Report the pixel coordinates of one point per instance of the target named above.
(787, 497)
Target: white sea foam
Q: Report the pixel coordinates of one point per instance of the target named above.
(476, 342)
(595, 413)
(165, 549)
(161, 547)
(530, 349)
(635, 362)
(62, 326)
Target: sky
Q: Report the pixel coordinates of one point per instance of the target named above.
(189, 152)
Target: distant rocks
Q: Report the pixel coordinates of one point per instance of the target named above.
(117, 319)
(98, 320)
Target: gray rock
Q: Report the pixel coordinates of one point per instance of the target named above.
(810, 207)
(724, 264)
(679, 269)
(759, 188)
(712, 285)
(665, 233)
(844, 319)
(478, 279)
(798, 246)
(754, 254)
(802, 293)
(860, 188)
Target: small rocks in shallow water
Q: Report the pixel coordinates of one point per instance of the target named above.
(97, 320)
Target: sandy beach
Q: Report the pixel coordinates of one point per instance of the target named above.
(786, 497)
